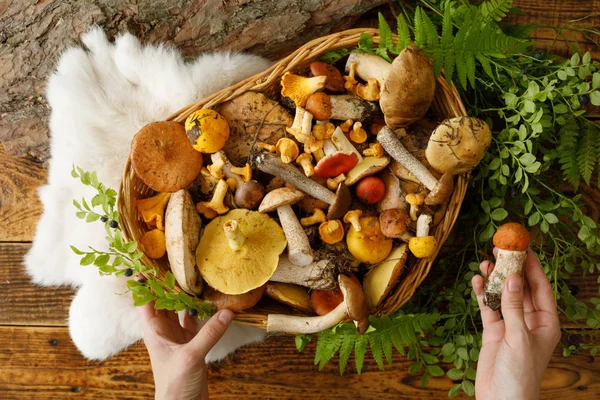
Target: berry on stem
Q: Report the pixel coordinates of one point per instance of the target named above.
(104, 218)
(192, 312)
(128, 272)
(113, 224)
(584, 99)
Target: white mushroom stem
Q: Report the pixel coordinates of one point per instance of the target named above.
(227, 168)
(508, 262)
(302, 126)
(234, 235)
(369, 66)
(394, 147)
(343, 144)
(423, 224)
(317, 275)
(271, 164)
(299, 250)
(345, 107)
(406, 236)
(329, 148)
(299, 324)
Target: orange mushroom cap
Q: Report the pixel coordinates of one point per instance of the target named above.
(512, 236)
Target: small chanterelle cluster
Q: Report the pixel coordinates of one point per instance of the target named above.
(316, 200)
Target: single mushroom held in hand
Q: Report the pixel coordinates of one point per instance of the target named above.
(207, 130)
(332, 231)
(368, 245)
(299, 250)
(319, 105)
(233, 302)
(370, 190)
(163, 158)
(287, 149)
(353, 306)
(238, 256)
(299, 88)
(394, 223)
(289, 294)
(382, 278)
(335, 79)
(458, 144)
(182, 233)
(439, 190)
(318, 275)
(512, 240)
(338, 202)
(423, 245)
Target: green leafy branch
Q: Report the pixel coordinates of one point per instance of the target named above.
(124, 258)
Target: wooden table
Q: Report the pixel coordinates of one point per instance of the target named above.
(38, 360)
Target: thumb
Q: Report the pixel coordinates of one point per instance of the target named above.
(512, 304)
(212, 331)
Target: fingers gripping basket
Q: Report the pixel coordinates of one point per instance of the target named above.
(447, 104)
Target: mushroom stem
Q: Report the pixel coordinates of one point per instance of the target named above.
(423, 224)
(329, 148)
(216, 203)
(306, 325)
(344, 107)
(406, 236)
(368, 66)
(394, 147)
(271, 164)
(299, 250)
(318, 275)
(235, 237)
(508, 262)
(227, 167)
(343, 144)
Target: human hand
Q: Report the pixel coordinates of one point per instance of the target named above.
(177, 352)
(516, 350)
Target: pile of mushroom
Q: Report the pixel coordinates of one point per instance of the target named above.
(319, 208)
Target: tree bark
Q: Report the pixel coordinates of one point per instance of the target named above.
(32, 36)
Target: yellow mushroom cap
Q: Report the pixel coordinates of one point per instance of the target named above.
(207, 130)
(236, 272)
(422, 247)
(299, 88)
(152, 210)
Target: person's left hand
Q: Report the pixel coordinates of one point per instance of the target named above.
(177, 352)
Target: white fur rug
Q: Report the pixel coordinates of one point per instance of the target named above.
(100, 96)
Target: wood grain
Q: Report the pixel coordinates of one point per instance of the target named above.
(42, 363)
(20, 207)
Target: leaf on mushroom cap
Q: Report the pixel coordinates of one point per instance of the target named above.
(279, 197)
(163, 158)
(382, 278)
(457, 145)
(245, 114)
(182, 231)
(236, 272)
(408, 89)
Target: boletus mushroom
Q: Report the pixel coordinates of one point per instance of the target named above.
(353, 306)
(318, 275)
(439, 190)
(457, 145)
(381, 279)
(233, 302)
(163, 158)
(182, 232)
(239, 251)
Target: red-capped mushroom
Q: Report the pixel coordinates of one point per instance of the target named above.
(335, 164)
(370, 189)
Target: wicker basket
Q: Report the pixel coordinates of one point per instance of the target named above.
(446, 104)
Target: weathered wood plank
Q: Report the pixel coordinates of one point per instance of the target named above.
(20, 207)
(23, 303)
(43, 363)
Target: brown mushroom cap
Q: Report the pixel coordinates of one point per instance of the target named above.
(319, 105)
(441, 193)
(163, 157)
(233, 302)
(249, 195)
(279, 197)
(335, 79)
(343, 198)
(393, 222)
(512, 236)
(356, 304)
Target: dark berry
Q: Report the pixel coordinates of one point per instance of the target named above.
(192, 312)
(128, 272)
(590, 359)
(574, 339)
(103, 218)
(584, 99)
(142, 280)
(574, 290)
(523, 71)
(113, 224)
(538, 56)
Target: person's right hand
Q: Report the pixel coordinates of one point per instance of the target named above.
(516, 350)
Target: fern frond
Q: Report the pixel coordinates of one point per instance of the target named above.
(385, 33)
(328, 344)
(404, 38)
(495, 9)
(586, 155)
(360, 348)
(567, 151)
(375, 344)
(345, 351)
(419, 29)
(485, 64)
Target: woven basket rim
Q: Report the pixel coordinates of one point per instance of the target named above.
(410, 280)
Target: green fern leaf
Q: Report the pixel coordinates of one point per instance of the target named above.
(365, 43)
(586, 155)
(419, 29)
(386, 344)
(360, 348)
(375, 344)
(348, 341)
(495, 9)
(385, 34)
(404, 38)
(567, 151)
(485, 64)
(327, 345)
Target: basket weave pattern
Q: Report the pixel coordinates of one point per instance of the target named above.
(447, 104)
